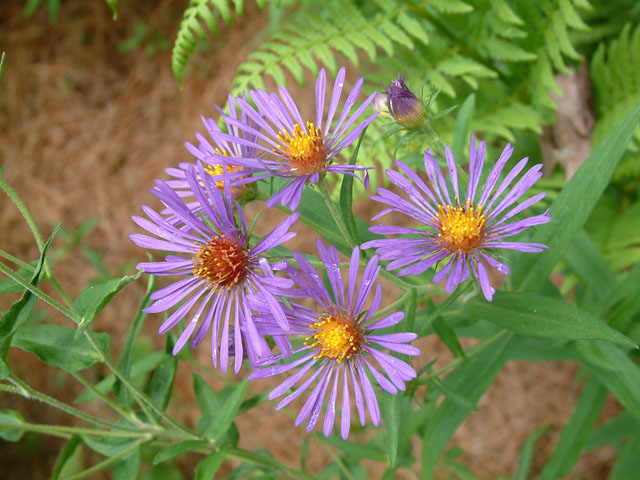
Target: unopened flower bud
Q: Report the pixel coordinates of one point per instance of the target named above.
(402, 104)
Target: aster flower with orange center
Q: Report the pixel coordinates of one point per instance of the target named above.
(237, 175)
(468, 231)
(340, 341)
(217, 266)
(293, 147)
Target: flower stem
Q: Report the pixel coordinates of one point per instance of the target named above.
(105, 463)
(16, 260)
(27, 391)
(322, 188)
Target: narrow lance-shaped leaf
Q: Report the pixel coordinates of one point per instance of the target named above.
(462, 130)
(210, 464)
(391, 415)
(572, 207)
(576, 431)
(346, 195)
(93, 299)
(19, 312)
(526, 454)
(539, 316)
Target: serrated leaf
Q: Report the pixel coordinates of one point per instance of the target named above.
(576, 431)
(178, 449)
(92, 300)
(8, 418)
(209, 465)
(57, 346)
(540, 316)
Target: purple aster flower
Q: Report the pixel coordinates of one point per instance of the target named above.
(340, 343)
(218, 269)
(292, 147)
(402, 104)
(465, 233)
(235, 174)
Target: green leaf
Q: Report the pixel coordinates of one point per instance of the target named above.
(575, 433)
(93, 299)
(346, 195)
(1, 62)
(129, 467)
(178, 449)
(113, 5)
(356, 451)
(65, 455)
(11, 417)
(628, 464)
(391, 415)
(225, 415)
(539, 316)
(205, 397)
(448, 336)
(471, 379)
(612, 367)
(209, 465)
(19, 312)
(612, 431)
(108, 446)
(462, 130)
(162, 381)
(9, 285)
(526, 454)
(57, 346)
(573, 205)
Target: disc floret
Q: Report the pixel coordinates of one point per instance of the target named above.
(337, 337)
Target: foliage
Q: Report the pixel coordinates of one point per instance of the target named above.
(485, 66)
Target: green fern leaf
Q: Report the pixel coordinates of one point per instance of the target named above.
(459, 65)
(413, 27)
(450, 6)
(191, 30)
(504, 12)
(571, 17)
(396, 34)
(502, 50)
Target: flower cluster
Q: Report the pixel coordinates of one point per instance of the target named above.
(331, 335)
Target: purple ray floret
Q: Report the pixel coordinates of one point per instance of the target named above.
(288, 146)
(463, 231)
(341, 344)
(217, 269)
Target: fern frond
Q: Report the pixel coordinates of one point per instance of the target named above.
(191, 29)
(615, 75)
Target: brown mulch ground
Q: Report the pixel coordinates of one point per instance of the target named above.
(84, 132)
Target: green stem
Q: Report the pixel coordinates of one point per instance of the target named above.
(27, 391)
(128, 415)
(141, 398)
(22, 208)
(17, 261)
(105, 463)
(59, 430)
(322, 188)
(332, 454)
(472, 353)
(389, 308)
(257, 459)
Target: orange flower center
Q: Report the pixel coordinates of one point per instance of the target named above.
(304, 151)
(221, 262)
(336, 337)
(461, 228)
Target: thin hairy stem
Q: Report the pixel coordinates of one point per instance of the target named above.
(322, 188)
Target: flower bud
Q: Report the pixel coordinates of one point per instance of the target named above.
(402, 104)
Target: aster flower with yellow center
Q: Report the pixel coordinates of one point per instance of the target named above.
(340, 341)
(217, 269)
(208, 150)
(468, 231)
(293, 147)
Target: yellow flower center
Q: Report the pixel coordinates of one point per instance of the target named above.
(337, 337)
(221, 262)
(304, 151)
(217, 169)
(461, 228)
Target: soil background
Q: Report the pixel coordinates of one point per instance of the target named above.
(85, 129)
